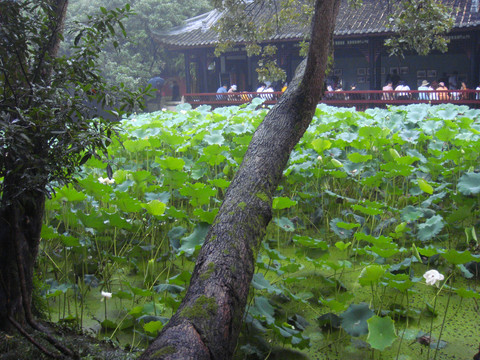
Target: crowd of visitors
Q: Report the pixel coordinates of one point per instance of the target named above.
(392, 90)
(266, 90)
(436, 90)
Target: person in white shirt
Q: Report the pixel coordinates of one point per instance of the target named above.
(402, 86)
(269, 89)
(261, 88)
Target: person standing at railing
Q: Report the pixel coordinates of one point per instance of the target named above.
(463, 91)
(222, 90)
(233, 89)
(387, 91)
(442, 91)
(434, 94)
(261, 87)
(269, 89)
(401, 90)
(477, 95)
(353, 95)
(424, 88)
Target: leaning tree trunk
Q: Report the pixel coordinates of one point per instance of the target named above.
(208, 321)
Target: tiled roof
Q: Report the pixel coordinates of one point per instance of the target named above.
(369, 19)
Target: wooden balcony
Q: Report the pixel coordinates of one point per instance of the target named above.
(361, 100)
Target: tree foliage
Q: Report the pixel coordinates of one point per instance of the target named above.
(418, 25)
(137, 57)
(48, 104)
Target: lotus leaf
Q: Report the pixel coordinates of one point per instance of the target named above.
(371, 274)
(354, 319)
(192, 243)
(430, 228)
(469, 184)
(381, 332)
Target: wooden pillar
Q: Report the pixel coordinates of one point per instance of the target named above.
(375, 63)
(474, 61)
(203, 71)
(290, 49)
(188, 80)
(249, 74)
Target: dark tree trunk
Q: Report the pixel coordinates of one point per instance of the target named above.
(208, 321)
(22, 194)
(20, 224)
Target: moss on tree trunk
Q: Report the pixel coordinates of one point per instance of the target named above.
(234, 239)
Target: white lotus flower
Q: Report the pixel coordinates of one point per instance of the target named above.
(106, 180)
(432, 276)
(164, 109)
(106, 295)
(183, 112)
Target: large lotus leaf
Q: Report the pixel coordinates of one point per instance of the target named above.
(341, 232)
(430, 126)
(117, 220)
(416, 154)
(321, 144)
(174, 236)
(280, 203)
(263, 309)
(457, 257)
(371, 274)
(410, 135)
(171, 163)
(219, 183)
(347, 137)
(416, 114)
(126, 202)
(467, 293)
(469, 184)
(354, 320)
(153, 327)
(329, 320)
(260, 283)
(446, 134)
(181, 279)
(353, 168)
(134, 146)
(194, 241)
(69, 193)
(430, 228)
(381, 332)
(171, 288)
(449, 113)
(162, 196)
(284, 224)
(425, 186)
(206, 216)
(410, 213)
(310, 242)
(215, 138)
(155, 207)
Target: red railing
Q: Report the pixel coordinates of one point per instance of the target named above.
(361, 100)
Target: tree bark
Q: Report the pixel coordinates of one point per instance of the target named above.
(208, 321)
(21, 224)
(22, 204)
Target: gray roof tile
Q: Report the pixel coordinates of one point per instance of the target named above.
(370, 19)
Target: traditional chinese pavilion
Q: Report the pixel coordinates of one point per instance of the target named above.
(360, 54)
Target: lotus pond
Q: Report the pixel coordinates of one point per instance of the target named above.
(370, 201)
